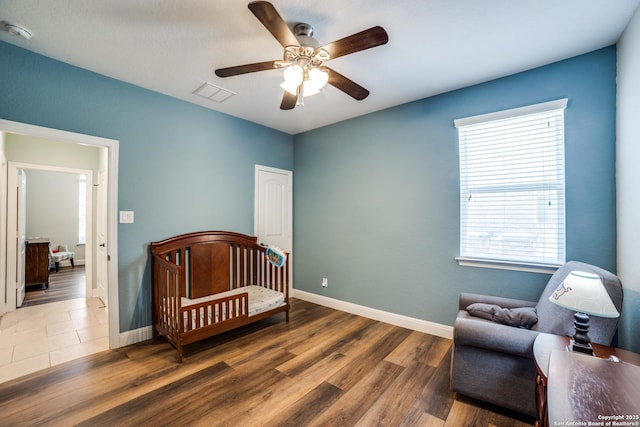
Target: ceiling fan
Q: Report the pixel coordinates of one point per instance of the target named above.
(304, 70)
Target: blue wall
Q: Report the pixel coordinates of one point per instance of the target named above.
(376, 198)
(182, 168)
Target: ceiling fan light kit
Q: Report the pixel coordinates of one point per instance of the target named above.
(302, 75)
(312, 80)
(304, 70)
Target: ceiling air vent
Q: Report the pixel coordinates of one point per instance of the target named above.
(213, 92)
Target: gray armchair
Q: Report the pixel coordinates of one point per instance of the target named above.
(494, 362)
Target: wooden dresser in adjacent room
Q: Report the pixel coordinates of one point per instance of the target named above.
(37, 262)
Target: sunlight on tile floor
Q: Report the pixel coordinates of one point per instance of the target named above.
(37, 337)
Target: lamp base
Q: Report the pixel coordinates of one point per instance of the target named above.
(580, 347)
(580, 341)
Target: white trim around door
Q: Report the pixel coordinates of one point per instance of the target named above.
(112, 147)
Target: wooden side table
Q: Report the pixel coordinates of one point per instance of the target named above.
(542, 348)
(592, 391)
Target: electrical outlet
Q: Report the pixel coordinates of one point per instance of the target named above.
(325, 282)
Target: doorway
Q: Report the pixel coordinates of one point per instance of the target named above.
(108, 162)
(55, 204)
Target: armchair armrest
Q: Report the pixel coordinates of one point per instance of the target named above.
(476, 332)
(466, 299)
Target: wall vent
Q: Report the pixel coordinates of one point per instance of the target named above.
(213, 93)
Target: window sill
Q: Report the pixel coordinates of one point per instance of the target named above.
(507, 265)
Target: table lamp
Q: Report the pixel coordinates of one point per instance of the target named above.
(585, 294)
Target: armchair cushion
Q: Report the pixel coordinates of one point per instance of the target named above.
(475, 332)
(466, 299)
(523, 317)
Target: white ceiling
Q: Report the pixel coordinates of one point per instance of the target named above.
(435, 46)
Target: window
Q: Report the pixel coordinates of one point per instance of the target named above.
(82, 209)
(512, 211)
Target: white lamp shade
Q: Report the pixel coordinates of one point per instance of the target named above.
(293, 75)
(317, 78)
(308, 91)
(292, 88)
(584, 292)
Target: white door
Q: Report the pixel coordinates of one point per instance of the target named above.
(274, 207)
(102, 255)
(21, 194)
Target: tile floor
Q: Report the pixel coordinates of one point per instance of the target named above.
(37, 337)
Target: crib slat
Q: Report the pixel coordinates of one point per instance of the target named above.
(242, 274)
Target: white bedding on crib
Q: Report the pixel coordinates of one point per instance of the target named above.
(260, 300)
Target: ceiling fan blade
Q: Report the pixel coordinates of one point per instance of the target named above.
(271, 19)
(288, 101)
(244, 69)
(346, 85)
(374, 36)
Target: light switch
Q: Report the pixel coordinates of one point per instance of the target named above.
(126, 217)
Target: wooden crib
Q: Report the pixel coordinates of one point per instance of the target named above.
(209, 282)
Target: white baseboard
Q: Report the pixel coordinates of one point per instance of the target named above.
(425, 326)
(135, 336)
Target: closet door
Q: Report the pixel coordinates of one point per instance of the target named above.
(273, 216)
(273, 207)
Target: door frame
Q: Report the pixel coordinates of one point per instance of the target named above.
(3, 231)
(12, 211)
(16, 291)
(112, 147)
(100, 239)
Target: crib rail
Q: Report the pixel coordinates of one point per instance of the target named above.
(166, 297)
(225, 312)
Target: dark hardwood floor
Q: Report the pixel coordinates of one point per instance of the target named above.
(68, 283)
(323, 368)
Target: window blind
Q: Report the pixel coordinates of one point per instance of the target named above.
(512, 191)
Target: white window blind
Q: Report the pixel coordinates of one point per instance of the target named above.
(512, 190)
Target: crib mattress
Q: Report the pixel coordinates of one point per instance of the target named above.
(260, 299)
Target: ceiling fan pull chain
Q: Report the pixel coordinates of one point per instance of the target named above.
(300, 100)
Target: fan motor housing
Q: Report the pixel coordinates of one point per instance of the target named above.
(303, 29)
(304, 34)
